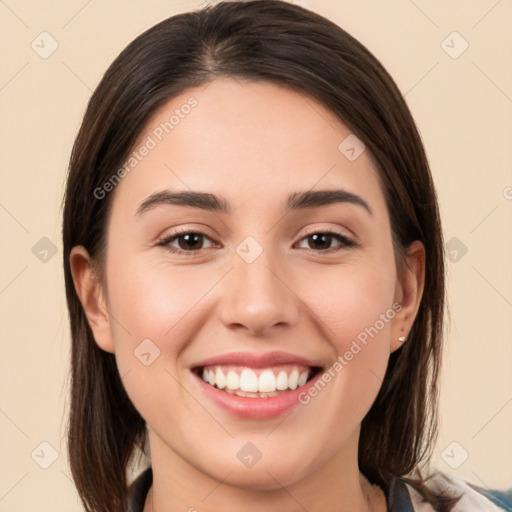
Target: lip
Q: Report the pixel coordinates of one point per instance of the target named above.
(255, 408)
(256, 360)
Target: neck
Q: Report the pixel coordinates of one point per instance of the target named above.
(337, 485)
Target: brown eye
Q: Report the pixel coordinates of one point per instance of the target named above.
(187, 242)
(322, 240)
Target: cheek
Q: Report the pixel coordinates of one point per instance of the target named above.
(352, 299)
(355, 313)
(154, 316)
(354, 304)
(152, 302)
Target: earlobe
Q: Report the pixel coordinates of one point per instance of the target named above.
(90, 293)
(409, 291)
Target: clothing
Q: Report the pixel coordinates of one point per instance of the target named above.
(402, 496)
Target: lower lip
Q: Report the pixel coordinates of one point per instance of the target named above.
(255, 408)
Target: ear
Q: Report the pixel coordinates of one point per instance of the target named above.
(92, 297)
(408, 293)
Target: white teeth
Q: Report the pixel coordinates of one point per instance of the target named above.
(248, 380)
(293, 379)
(220, 380)
(303, 378)
(232, 380)
(267, 382)
(254, 395)
(282, 381)
(248, 383)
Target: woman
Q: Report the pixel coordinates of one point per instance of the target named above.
(254, 272)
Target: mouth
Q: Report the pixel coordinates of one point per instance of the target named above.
(258, 383)
(256, 386)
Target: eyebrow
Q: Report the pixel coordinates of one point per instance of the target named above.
(213, 203)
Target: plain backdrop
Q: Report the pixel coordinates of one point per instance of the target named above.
(450, 59)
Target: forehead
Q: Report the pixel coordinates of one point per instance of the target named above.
(248, 141)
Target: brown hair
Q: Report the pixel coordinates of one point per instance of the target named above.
(293, 47)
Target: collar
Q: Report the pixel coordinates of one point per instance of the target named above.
(398, 499)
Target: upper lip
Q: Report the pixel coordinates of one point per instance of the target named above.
(253, 360)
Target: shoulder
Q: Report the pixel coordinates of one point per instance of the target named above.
(138, 490)
(472, 498)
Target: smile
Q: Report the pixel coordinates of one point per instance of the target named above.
(256, 386)
(256, 382)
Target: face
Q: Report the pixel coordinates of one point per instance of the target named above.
(277, 290)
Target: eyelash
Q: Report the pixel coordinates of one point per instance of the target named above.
(346, 242)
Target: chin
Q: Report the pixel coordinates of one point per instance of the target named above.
(269, 475)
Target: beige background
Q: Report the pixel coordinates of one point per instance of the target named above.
(463, 109)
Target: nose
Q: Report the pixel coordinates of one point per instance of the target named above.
(258, 297)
